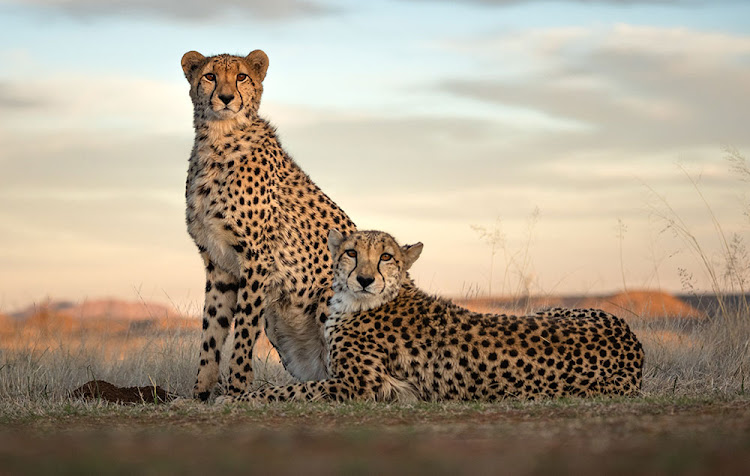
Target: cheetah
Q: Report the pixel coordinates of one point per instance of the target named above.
(390, 341)
(260, 225)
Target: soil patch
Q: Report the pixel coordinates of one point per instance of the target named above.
(99, 389)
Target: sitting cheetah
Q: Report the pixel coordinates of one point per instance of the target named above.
(388, 340)
(260, 225)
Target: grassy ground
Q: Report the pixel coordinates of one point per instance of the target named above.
(693, 417)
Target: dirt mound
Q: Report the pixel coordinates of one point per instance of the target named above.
(99, 389)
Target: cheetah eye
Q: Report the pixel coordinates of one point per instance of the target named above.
(351, 253)
(386, 257)
(210, 76)
(241, 77)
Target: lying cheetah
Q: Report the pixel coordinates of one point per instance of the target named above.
(388, 340)
(260, 224)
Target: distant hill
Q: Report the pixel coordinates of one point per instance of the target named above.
(644, 305)
(101, 309)
(114, 313)
(103, 322)
(52, 320)
(712, 304)
(633, 304)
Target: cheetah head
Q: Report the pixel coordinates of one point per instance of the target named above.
(368, 269)
(225, 88)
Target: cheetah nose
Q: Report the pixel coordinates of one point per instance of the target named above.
(364, 282)
(226, 98)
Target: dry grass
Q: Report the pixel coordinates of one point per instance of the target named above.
(46, 357)
(45, 363)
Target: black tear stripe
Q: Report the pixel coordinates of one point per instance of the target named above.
(353, 270)
(242, 99)
(382, 276)
(211, 97)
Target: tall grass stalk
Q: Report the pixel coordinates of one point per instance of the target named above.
(714, 354)
(733, 281)
(517, 262)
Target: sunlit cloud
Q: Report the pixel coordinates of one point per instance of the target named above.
(11, 99)
(96, 102)
(638, 88)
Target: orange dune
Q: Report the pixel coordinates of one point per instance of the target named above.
(629, 305)
(507, 305)
(644, 305)
(119, 326)
(103, 320)
(115, 308)
(49, 321)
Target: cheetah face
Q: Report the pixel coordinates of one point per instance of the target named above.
(225, 87)
(369, 267)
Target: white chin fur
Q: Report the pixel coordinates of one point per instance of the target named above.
(347, 302)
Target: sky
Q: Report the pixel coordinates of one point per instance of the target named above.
(576, 133)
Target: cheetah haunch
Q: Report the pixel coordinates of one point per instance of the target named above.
(260, 224)
(388, 340)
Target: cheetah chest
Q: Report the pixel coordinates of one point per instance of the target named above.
(209, 220)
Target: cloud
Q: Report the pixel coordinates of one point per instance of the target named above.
(634, 88)
(185, 10)
(64, 102)
(13, 97)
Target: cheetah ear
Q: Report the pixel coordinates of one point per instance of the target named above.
(411, 253)
(191, 61)
(334, 240)
(259, 62)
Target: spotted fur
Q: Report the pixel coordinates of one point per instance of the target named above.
(418, 347)
(260, 225)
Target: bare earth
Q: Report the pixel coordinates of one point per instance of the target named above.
(628, 437)
(102, 390)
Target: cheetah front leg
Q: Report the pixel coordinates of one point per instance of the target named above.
(249, 320)
(218, 309)
(353, 381)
